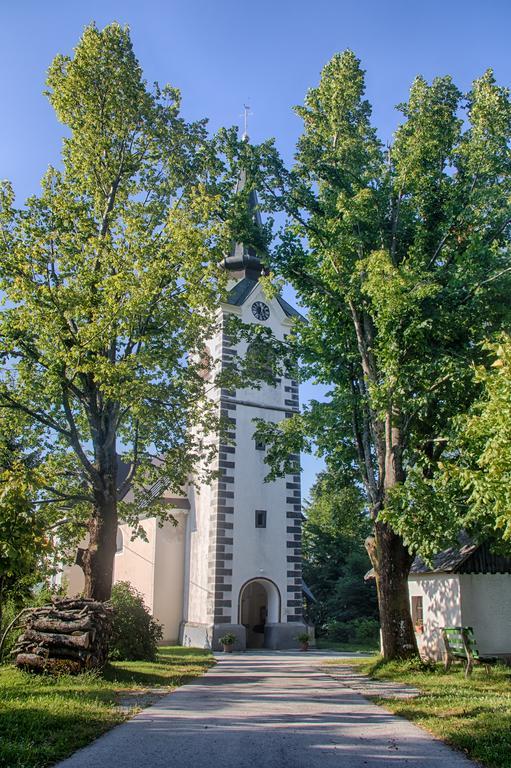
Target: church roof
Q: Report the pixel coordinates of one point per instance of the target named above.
(242, 290)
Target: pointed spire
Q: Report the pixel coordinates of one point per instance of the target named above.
(243, 259)
(246, 113)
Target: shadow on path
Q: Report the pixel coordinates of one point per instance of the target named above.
(266, 711)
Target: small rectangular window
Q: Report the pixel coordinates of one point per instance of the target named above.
(417, 611)
(260, 518)
(260, 445)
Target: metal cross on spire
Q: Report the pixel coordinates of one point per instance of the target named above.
(246, 113)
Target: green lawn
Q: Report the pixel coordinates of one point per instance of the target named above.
(473, 715)
(44, 719)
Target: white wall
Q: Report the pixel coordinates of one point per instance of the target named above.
(486, 606)
(169, 576)
(135, 563)
(441, 608)
(74, 579)
(197, 596)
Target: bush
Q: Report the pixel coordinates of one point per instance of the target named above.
(135, 633)
(363, 631)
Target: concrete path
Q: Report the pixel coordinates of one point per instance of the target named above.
(266, 710)
(350, 677)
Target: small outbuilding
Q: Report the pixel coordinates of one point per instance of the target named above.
(467, 586)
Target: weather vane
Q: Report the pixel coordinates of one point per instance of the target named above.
(246, 113)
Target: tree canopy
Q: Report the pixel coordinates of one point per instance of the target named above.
(111, 285)
(401, 254)
(479, 467)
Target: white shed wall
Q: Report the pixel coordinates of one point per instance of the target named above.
(486, 606)
(441, 607)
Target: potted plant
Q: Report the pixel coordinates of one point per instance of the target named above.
(228, 642)
(303, 639)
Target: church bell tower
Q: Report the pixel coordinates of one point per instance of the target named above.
(243, 570)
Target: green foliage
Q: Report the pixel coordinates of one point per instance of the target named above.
(228, 639)
(27, 546)
(111, 273)
(23, 538)
(111, 282)
(482, 447)
(362, 631)
(135, 633)
(334, 558)
(401, 255)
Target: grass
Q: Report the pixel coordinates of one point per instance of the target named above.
(326, 645)
(45, 719)
(473, 715)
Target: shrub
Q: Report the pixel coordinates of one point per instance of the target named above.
(135, 633)
(363, 631)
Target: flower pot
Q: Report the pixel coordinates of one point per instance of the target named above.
(304, 646)
(228, 648)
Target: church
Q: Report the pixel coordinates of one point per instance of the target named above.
(233, 561)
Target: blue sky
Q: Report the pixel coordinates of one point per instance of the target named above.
(222, 53)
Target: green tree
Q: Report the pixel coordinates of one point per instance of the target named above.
(25, 541)
(111, 285)
(401, 254)
(481, 469)
(334, 558)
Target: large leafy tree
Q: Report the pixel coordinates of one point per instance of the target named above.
(111, 285)
(401, 254)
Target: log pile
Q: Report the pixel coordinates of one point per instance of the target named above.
(70, 635)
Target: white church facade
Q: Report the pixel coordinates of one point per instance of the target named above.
(233, 561)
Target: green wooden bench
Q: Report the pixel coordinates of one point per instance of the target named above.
(460, 644)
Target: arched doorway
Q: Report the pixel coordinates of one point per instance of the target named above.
(259, 605)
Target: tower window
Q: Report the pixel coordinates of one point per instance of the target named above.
(260, 445)
(260, 518)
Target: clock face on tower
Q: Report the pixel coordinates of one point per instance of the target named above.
(260, 310)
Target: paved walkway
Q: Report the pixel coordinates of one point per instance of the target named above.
(266, 710)
(350, 677)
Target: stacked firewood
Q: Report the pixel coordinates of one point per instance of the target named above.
(70, 635)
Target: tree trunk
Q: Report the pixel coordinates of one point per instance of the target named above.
(392, 559)
(98, 559)
(392, 567)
